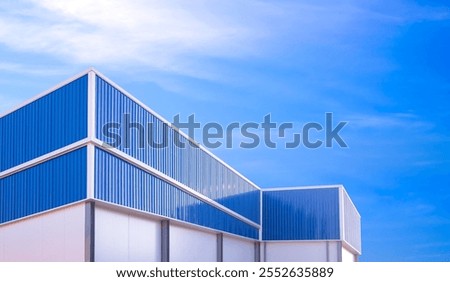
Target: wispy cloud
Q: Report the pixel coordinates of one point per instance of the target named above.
(153, 33)
(31, 70)
(389, 120)
(173, 35)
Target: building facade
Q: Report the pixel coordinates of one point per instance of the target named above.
(70, 190)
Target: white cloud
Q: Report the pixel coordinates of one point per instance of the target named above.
(389, 120)
(156, 34)
(31, 70)
(174, 36)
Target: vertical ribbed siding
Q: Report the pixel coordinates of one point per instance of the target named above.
(120, 182)
(352, 224)
(49, 123)
(301, 214)
(190, 165)
(48, 185)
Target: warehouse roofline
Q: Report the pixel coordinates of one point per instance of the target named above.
(340, 186)
(71, 161)
(129, 95)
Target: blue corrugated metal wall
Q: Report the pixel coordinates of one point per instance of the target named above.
(190, 165)
(48, 185)
(119, 182)
(49, 123)
(301, 214)
(352, 224)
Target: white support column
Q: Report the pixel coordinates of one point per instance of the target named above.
(328, 251)
(165, 241)
(264, 258)
(89, 237)
(219, 247)
(258, 251)
(339, 251)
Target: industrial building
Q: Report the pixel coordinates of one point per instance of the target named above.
(66, 194)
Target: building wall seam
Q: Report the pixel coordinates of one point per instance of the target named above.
(44, 158)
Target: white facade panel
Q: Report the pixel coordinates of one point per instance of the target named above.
(123, 237)
(238, 249)
(111, 235)
(188, 244)
(145, 239)
(298, 251)
(52, 236)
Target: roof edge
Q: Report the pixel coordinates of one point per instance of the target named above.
(46, 92)
(337, 186)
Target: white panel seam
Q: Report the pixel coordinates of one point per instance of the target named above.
(43, 158)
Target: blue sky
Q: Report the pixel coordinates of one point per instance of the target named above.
(381, 66)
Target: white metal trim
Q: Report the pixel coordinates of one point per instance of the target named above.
(261, 215)
(44, 158)
(129, 95)
(351, 202)
(351, 247)
(235, 236)
(302, 241)
(341, 214)
(346, 243)
(46, 92)
(174, 182)
(302, 187)
(90, 176)
(91, 118)
(42, 213)
(91, 131)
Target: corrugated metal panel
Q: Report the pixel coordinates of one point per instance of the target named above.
(120, 182)
(190, 165)
(48, 185)
(352, 224)
(301, 214)
(49, 123)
